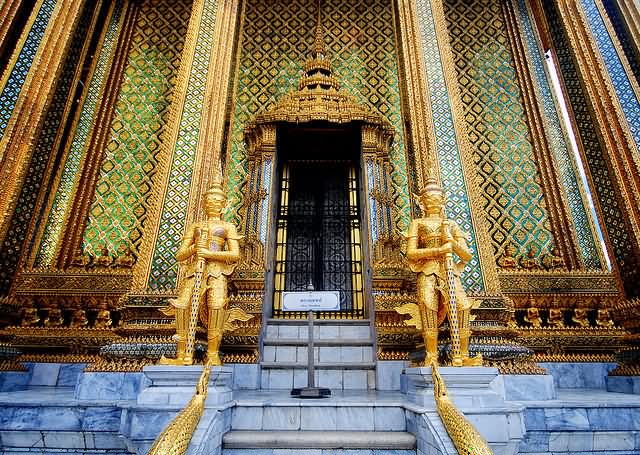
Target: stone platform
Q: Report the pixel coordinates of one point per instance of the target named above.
(58, 408)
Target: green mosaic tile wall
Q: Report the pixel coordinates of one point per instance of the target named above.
(514, 200)
(121, 205)
(275, 42)
(164, 268)
(458, 206)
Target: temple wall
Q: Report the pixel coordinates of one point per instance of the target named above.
(166, 97)
(38, 177)
(362, 47)
(69, 180)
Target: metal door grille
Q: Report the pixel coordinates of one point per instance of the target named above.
(318, 235)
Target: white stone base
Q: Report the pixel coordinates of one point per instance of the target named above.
(471, 390)
(468, 387)
(175, 385)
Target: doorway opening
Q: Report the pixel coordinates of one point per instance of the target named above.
(318, 217)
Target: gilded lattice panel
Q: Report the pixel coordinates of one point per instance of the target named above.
(11, 248)
(276, 38)
(18, 74)
(566, 163)
(514, 200)
(594, 154)
(164, 268)
(448, 152)
(621, 83)
(125, 182)
(79, 146)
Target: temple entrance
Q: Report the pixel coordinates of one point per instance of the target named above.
(318, 217)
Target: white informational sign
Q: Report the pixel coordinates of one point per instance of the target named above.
(311, 301)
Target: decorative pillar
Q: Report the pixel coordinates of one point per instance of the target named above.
(26, 89)
(614, 112)
(72, 179)
(377, 185)
(575, 232)
(193, 141)
(8, 11)
(439, 131)
(261, 143)
(564, 236)
(50, 148)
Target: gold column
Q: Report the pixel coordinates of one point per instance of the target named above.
(16, 145)
(421, 119)
(211, 119)
(8, 11)
(623, 157)
(422, 133)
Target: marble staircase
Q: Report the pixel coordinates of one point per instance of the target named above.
(271, 423)
(344, 354)
(353, 420)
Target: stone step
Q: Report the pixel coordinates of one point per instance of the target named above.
(320, 366)
(319, 415)
(323, 329)
(278, 321)
(335, 376)
(310, 452)
(294, 355)
(319, 342)
(391, 440)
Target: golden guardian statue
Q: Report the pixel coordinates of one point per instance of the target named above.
(208, 254)
(432, 242)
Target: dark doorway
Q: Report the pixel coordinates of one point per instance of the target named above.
(318, 238)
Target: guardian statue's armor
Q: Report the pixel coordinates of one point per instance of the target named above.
(432, 242)
(208, 254)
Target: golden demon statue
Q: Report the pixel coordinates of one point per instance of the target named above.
(432, 242)
(208, 254)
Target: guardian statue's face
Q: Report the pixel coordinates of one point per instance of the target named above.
(432, 199)
(214, 201)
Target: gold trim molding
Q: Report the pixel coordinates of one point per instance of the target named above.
(525, 282)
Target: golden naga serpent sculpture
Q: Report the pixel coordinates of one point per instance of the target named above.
(464, 436)
(175, 438)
